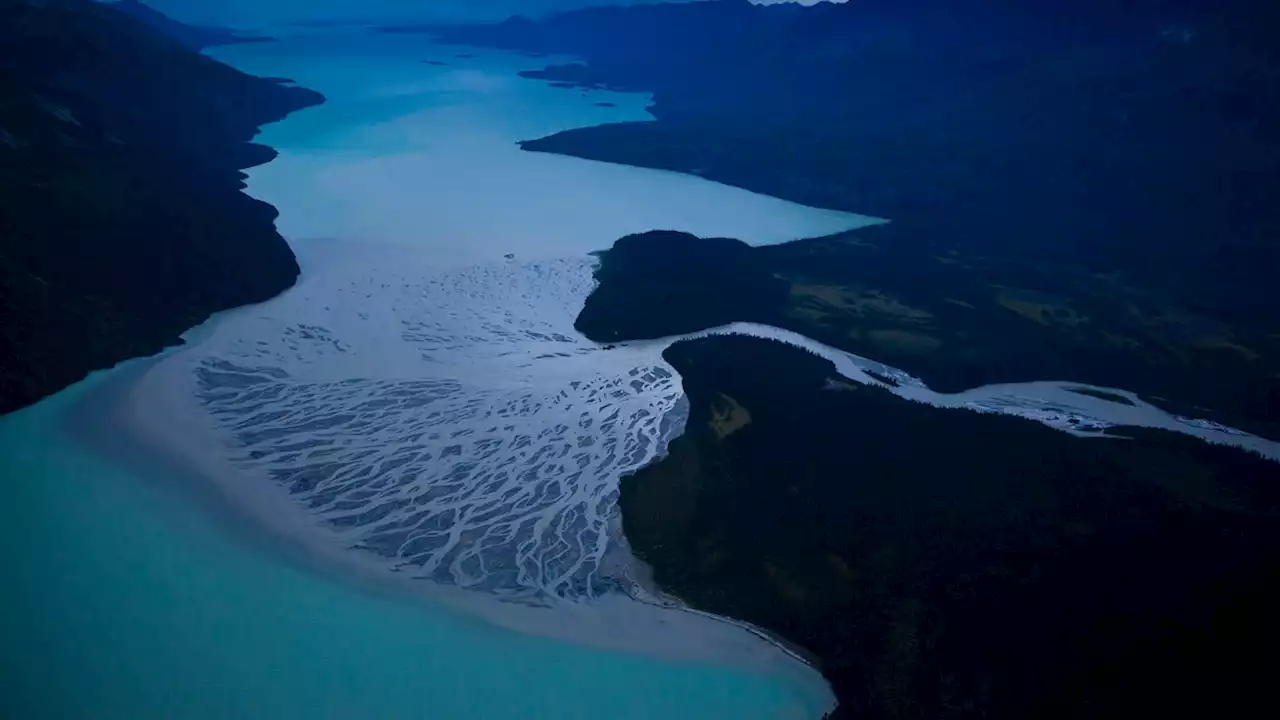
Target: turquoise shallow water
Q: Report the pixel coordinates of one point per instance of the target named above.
(124, 599)
(126, 596)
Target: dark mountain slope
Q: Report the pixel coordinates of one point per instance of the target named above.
(1059, 128)
(1109, 156)
(954, 320)
(946, 564)
(124, 223)
(193, 36)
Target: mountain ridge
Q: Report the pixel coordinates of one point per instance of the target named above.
(121, 153)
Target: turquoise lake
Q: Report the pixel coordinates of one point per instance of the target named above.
(124, 599)
(440, 263)
(127, 597)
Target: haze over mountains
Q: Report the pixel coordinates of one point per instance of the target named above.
(255, 12)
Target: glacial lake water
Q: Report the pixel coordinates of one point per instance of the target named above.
(126, 600)
(129, 597)
(420, 404)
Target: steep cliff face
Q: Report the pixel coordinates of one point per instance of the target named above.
(124, 223)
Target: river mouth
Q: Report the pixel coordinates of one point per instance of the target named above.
(419, 410)
(178, 574)
(416, 421)
(138, 594)
(422, 395)
(420, 404)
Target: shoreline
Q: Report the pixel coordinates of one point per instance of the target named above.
(119, 421)
(645, 589)
(1058, 404)
(129, 419)
(134, 418)
(143, 423)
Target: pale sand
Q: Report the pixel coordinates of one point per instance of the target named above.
(136, 419)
